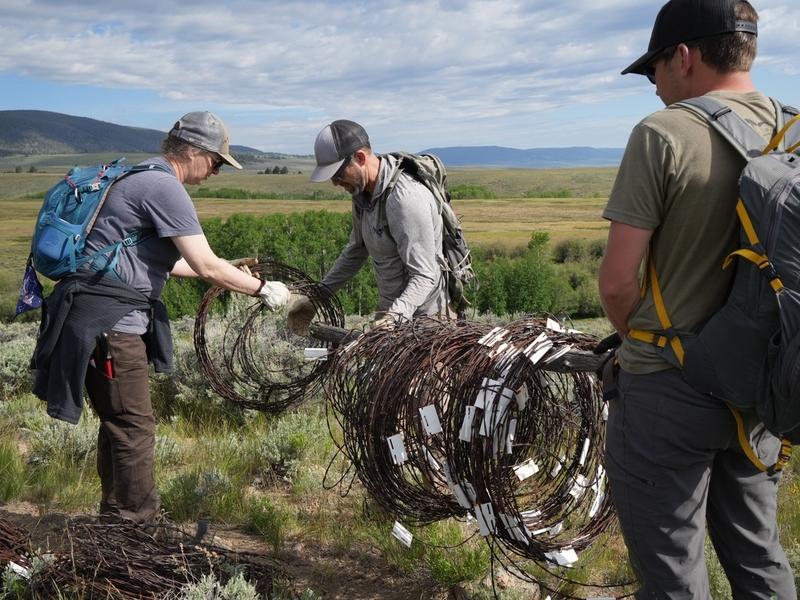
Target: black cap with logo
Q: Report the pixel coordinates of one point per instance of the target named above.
(688, 20)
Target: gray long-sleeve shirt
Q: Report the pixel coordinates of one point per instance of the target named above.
(404, 241)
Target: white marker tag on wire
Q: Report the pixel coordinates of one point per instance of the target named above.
(398, 448)
(512, 431)
(516, 528)
(526, 469)
(489, 387)
(522, 396)
(557, 468)
(530, 514)
(584, 452)
(434, 464)
(484, 513)
(494, 336)
(402, 534)
(553, 325)
(598, 500)
(556, 354)
(458, 491)
(539, 531)
(465, 433)
(495, 410)
(604, 414)
(430, 419)
(315, 353)
(566, 557)
(578, 487)
(19, 570)
(556, 529)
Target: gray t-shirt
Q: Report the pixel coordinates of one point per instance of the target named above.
(156, 203)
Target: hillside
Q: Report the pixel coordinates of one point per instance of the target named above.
(532, 158)
(42, 132)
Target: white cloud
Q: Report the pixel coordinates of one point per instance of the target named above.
(415, 70)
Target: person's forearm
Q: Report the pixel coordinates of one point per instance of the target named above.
(619, 303)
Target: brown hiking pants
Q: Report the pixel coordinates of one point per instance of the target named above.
(120, 394)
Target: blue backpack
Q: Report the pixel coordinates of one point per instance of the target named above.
(68, 214)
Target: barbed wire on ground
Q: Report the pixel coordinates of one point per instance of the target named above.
(14, 545)
(122, 560)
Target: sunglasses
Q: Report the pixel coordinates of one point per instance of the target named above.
(340, 171)
(217, 164)
(650, 69)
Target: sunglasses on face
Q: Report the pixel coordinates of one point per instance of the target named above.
(216, 163)
(650, 73)
(340, 171)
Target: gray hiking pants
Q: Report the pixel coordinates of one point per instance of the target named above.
(674, 465)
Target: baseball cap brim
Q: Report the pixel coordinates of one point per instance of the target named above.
(325, 172)
(638, 66)
(230, 160)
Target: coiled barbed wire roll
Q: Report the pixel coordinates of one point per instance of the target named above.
(519, 446)
(257, 362)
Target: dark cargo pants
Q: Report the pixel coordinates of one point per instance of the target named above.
(674, 465)
(126, 440)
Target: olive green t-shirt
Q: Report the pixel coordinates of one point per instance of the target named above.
(679, 178)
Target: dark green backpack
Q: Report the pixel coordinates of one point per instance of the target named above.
(430, 172)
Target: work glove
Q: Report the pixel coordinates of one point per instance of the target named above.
(387, 322)
(301, 313)
(273, 294)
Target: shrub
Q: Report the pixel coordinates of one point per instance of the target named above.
(210, 588)
(571, 250)
(12, 471)
(17, 342)
(464, 191)
(203, 493)
(543, 193)
(265, 520)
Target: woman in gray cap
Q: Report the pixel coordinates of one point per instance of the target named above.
(104, 324)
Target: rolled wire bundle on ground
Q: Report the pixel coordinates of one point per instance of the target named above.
(448, 419)
(122, 560)
(14, 546)
(256, 361)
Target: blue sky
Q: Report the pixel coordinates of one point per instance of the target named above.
(416, 74)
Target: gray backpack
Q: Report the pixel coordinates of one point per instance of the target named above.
(748, 353)
(429, 171)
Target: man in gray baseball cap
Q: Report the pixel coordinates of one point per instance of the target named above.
(395, 221)
(675, 465)
(115, 323)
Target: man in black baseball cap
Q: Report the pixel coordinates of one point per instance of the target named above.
(687, 21)
(674, 463)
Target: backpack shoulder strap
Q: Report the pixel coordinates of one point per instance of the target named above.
(790, 141)
(738, 132)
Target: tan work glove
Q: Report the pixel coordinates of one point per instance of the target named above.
(301, 313)
(386, 322)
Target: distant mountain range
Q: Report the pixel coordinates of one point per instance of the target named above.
(532, 158)
(42, 132)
